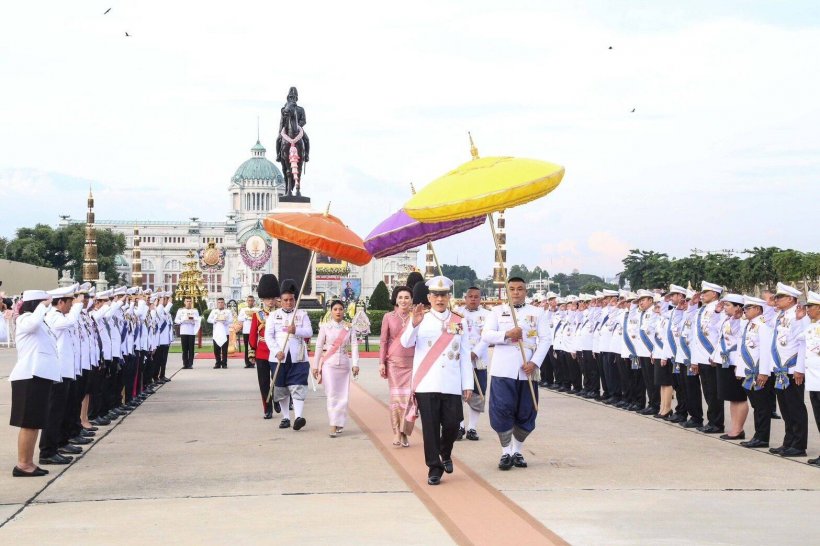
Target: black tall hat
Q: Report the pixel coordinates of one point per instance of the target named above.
(420, 292)
(268, 286)
(413, 278)
(289, 287)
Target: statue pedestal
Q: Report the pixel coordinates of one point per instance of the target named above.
(291, 260)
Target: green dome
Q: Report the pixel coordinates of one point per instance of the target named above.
(258, 168)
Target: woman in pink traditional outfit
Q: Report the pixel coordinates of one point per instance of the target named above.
(337, 350)
(396, 363)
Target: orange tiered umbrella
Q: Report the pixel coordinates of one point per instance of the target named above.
(318, 232)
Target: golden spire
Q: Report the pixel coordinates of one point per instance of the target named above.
(136, 260)
(473, 149)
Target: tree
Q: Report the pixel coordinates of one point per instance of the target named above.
(520, 271)
(62, 248)
(646, 269)
(462, 272)
(380, 300)
(3, 243)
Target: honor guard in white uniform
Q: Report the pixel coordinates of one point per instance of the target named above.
(188, 320)
(789, 367)
(512, 408)
(642, 335)
(247, 309)
(221, 318)
(726, 357)
(442, 374)
(811, 338)
(754, 366)
(670, 351)
(705, 331)
(291, 326)
(475, 317)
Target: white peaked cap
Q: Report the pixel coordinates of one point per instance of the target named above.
(786, 290)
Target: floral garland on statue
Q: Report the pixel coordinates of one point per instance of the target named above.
(256, 263)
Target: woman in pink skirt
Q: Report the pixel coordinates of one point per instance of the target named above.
(337, 350)
(396, 363)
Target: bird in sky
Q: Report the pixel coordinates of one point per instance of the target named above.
(610, 47)
(109, 9)
(633, 111)
(127, 35)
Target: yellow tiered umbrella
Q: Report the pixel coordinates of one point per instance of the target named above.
(483, 186)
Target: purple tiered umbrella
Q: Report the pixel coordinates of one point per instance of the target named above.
(399, 232)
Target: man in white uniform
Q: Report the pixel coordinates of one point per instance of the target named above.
(442, 375)
(475, 316)
(513, 407)
(811, 337)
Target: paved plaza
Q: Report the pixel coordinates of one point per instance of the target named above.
(197, 464)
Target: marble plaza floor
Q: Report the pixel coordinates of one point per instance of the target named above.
(197, 464)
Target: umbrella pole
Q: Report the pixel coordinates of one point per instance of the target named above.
(512, 309)
(287, 337)
(440, 272)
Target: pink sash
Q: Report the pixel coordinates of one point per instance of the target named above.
(412, 412)
(337, 344)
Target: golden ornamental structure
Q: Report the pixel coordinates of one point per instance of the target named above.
(500, 267)
(191, 284)
(90, 267)
(136, 261)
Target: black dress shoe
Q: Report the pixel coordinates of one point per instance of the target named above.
(691, 424)
(56, 459)
(217, 366)
(87, 433)
(518, 461)
(472, 435)
(610, 401)
(17, 473)
(775, 415)
(815, 462)
(648, 410)
(711, 429)
(553, 386)
(69, 450)
(505, 463)
(777, 450)
(665, 416)
(268, 415)
(77, 441)
(165, 379)
(461, 433)
(91, 429)
(100, 422)
(591, 395)
(576, 392)
(277, 407)
(677, 418)
(741, 436)
(433, 480)
(448, 465)
(285, 423)
(299, 423)
(623, 404)
(562, 389)
(755, 442)
(636, 408)
(793, 452)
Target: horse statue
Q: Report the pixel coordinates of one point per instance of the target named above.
(292, 144)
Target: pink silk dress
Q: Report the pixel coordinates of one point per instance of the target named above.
(336, 369)
(399, 364)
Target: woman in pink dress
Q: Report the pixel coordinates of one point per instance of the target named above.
(337, 351)
(396, 363)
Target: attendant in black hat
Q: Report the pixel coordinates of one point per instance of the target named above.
(269, 293)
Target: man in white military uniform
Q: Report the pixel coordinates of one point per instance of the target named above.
(442, 374)
(475, 316)
(705, 332)
(188, 320)
(222, 319)
(512, 408)
(62, 321)
(811, 337)
(789, 367)
(247, 310)
(291, 326)
(755, 366)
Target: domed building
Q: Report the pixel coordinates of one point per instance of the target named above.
(234, 253)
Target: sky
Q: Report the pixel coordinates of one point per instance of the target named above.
(721, 152)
